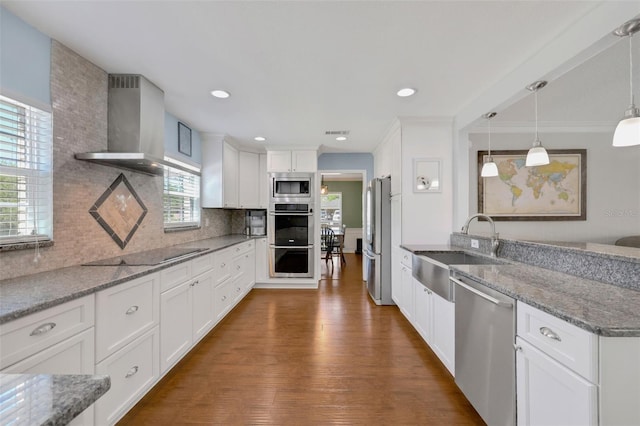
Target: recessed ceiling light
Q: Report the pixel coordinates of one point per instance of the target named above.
(407, 91)
(341, 138)
(222, 94)
(260, 138)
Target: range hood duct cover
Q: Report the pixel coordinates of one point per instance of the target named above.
(135, 139)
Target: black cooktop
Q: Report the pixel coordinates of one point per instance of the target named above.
(148, 258)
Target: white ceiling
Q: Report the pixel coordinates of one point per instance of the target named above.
(297, 69)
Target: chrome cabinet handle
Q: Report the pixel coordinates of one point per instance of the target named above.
(195, 282)
(44, 328)
(547, 332)
(517, 347)
(131, 372)
(223, 265)
(224, 298)
(132, 310)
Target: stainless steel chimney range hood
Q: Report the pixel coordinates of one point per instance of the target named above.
(135, 139)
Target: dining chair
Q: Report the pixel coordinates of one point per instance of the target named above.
(327, 245)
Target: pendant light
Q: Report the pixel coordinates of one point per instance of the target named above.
(628, 130)
(489, 168)
(537, 155)
(324, 189)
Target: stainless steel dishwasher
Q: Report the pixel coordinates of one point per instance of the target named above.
(485, 358)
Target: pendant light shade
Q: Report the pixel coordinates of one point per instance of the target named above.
(628, 130)
(489, 168)
(537, 155)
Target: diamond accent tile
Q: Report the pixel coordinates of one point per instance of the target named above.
(119, 211)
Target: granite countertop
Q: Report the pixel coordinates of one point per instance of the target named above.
(601, 308)
(45, 399)
(32, 293)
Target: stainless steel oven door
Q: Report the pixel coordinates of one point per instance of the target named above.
(291, 262)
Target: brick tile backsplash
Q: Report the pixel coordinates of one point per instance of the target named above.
(79, 101)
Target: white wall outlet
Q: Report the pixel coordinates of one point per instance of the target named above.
(475, 244)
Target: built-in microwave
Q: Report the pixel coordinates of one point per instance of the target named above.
(291, 187)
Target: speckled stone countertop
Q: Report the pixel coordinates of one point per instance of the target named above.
(32, 293)
(44, 399)
(598, 307)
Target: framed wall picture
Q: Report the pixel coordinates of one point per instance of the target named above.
(556, 191)
(184, 139)
(426, 175)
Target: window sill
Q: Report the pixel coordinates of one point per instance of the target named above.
(25, 245)
(181, 228)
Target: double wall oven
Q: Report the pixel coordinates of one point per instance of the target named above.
(291, 236)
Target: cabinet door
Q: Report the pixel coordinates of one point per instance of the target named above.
(175, 324)
(423, 310)
(223, 294)
(230, 173)
(304, 161)
(444, 331)
(124, 312)
(263, 182)
(279, 161)
(262, 263)
(203, 305)
(133, 370)
(551, 394)
(248, 180)
(407, 305)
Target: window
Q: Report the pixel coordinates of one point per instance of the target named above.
(26, 195)
(181, 198)
(331, 210)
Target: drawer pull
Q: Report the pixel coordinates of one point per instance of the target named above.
(44, 328)
(547, 332)
(224, 298)
(238, 267)
(223, 265)
(195, 282)
(132, 310)
(131, 372)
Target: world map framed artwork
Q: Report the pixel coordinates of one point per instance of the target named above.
(556, 191)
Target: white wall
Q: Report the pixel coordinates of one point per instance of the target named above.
(613, 188)
(427, 217)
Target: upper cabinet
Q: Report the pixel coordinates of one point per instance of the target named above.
(292, 161)
(232, 178)
(249, 180)
(219, 183)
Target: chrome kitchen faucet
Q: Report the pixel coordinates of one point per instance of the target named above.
(495, 241)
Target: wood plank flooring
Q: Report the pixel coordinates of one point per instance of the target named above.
(309, 357)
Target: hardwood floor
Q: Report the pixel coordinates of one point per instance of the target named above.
(299, 357)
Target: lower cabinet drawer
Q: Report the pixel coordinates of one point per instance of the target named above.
(133, 370)
(28, 335)
(124, 312)
(570, 345)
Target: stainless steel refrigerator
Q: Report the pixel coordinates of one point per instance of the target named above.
(377, 250)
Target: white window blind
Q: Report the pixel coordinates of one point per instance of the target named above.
(181, 198)
(26, 195)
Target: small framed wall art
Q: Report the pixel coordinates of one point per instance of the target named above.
(426, 175)
(184, 139)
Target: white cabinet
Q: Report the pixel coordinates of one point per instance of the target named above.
(124, 312)
(264, 183)
(568, 376)
(407, 306)
(423, 311)
(133, 370)
(443, 331)
(33, 333)
(262, 262)
(292, 161)
(219, 181)
(551, 394)
(186, 308)
(249, 180)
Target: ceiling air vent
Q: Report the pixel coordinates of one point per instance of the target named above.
(124, 81)
(337, 132)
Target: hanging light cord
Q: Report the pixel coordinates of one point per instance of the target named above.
(489, 125)
(535, 102)
(631, 70)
